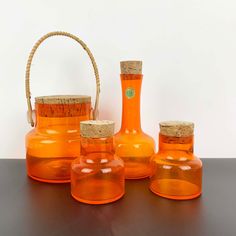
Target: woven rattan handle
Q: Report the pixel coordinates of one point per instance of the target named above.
(29, 62)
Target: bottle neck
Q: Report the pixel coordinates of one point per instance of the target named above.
(131, 88)
(96, 145)
(167, 143)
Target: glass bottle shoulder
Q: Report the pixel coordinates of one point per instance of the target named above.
(103, 162)
(51, 136)
(99, 158)
(133, 138)
(54, 131)
(135, 143)
(177, 158)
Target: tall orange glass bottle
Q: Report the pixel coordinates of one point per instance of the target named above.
(97, 175)
(131, 143)
(176, 171)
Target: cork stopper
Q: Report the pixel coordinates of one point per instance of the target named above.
(63, 99)
(176, 128)
(97, 128)
(131, 67)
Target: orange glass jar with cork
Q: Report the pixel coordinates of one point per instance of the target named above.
(55, 139)
(176, 171)
(97, 175)
(132, 145)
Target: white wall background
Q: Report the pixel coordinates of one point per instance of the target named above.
(188, 48)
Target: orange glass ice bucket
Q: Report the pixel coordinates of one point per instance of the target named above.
(55, 139)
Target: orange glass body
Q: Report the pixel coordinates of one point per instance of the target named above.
(97, 176)
(131, 143)
(55, 141)
(176, 172)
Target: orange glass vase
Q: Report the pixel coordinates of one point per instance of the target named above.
(176, 171)
(97, 176)
(55, 139)
(131, 143)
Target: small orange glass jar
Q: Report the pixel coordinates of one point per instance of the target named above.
(97, 176)
(132, 145)
(176, 171)
(55, 139)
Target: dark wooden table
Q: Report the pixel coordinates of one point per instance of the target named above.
(31, 208)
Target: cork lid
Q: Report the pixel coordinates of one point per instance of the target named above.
(131, 67)
(63, 99)
(97, 128)
(176, 128)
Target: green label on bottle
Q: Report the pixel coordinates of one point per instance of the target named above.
(130, 92)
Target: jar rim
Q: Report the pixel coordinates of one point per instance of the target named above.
(63, 99)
